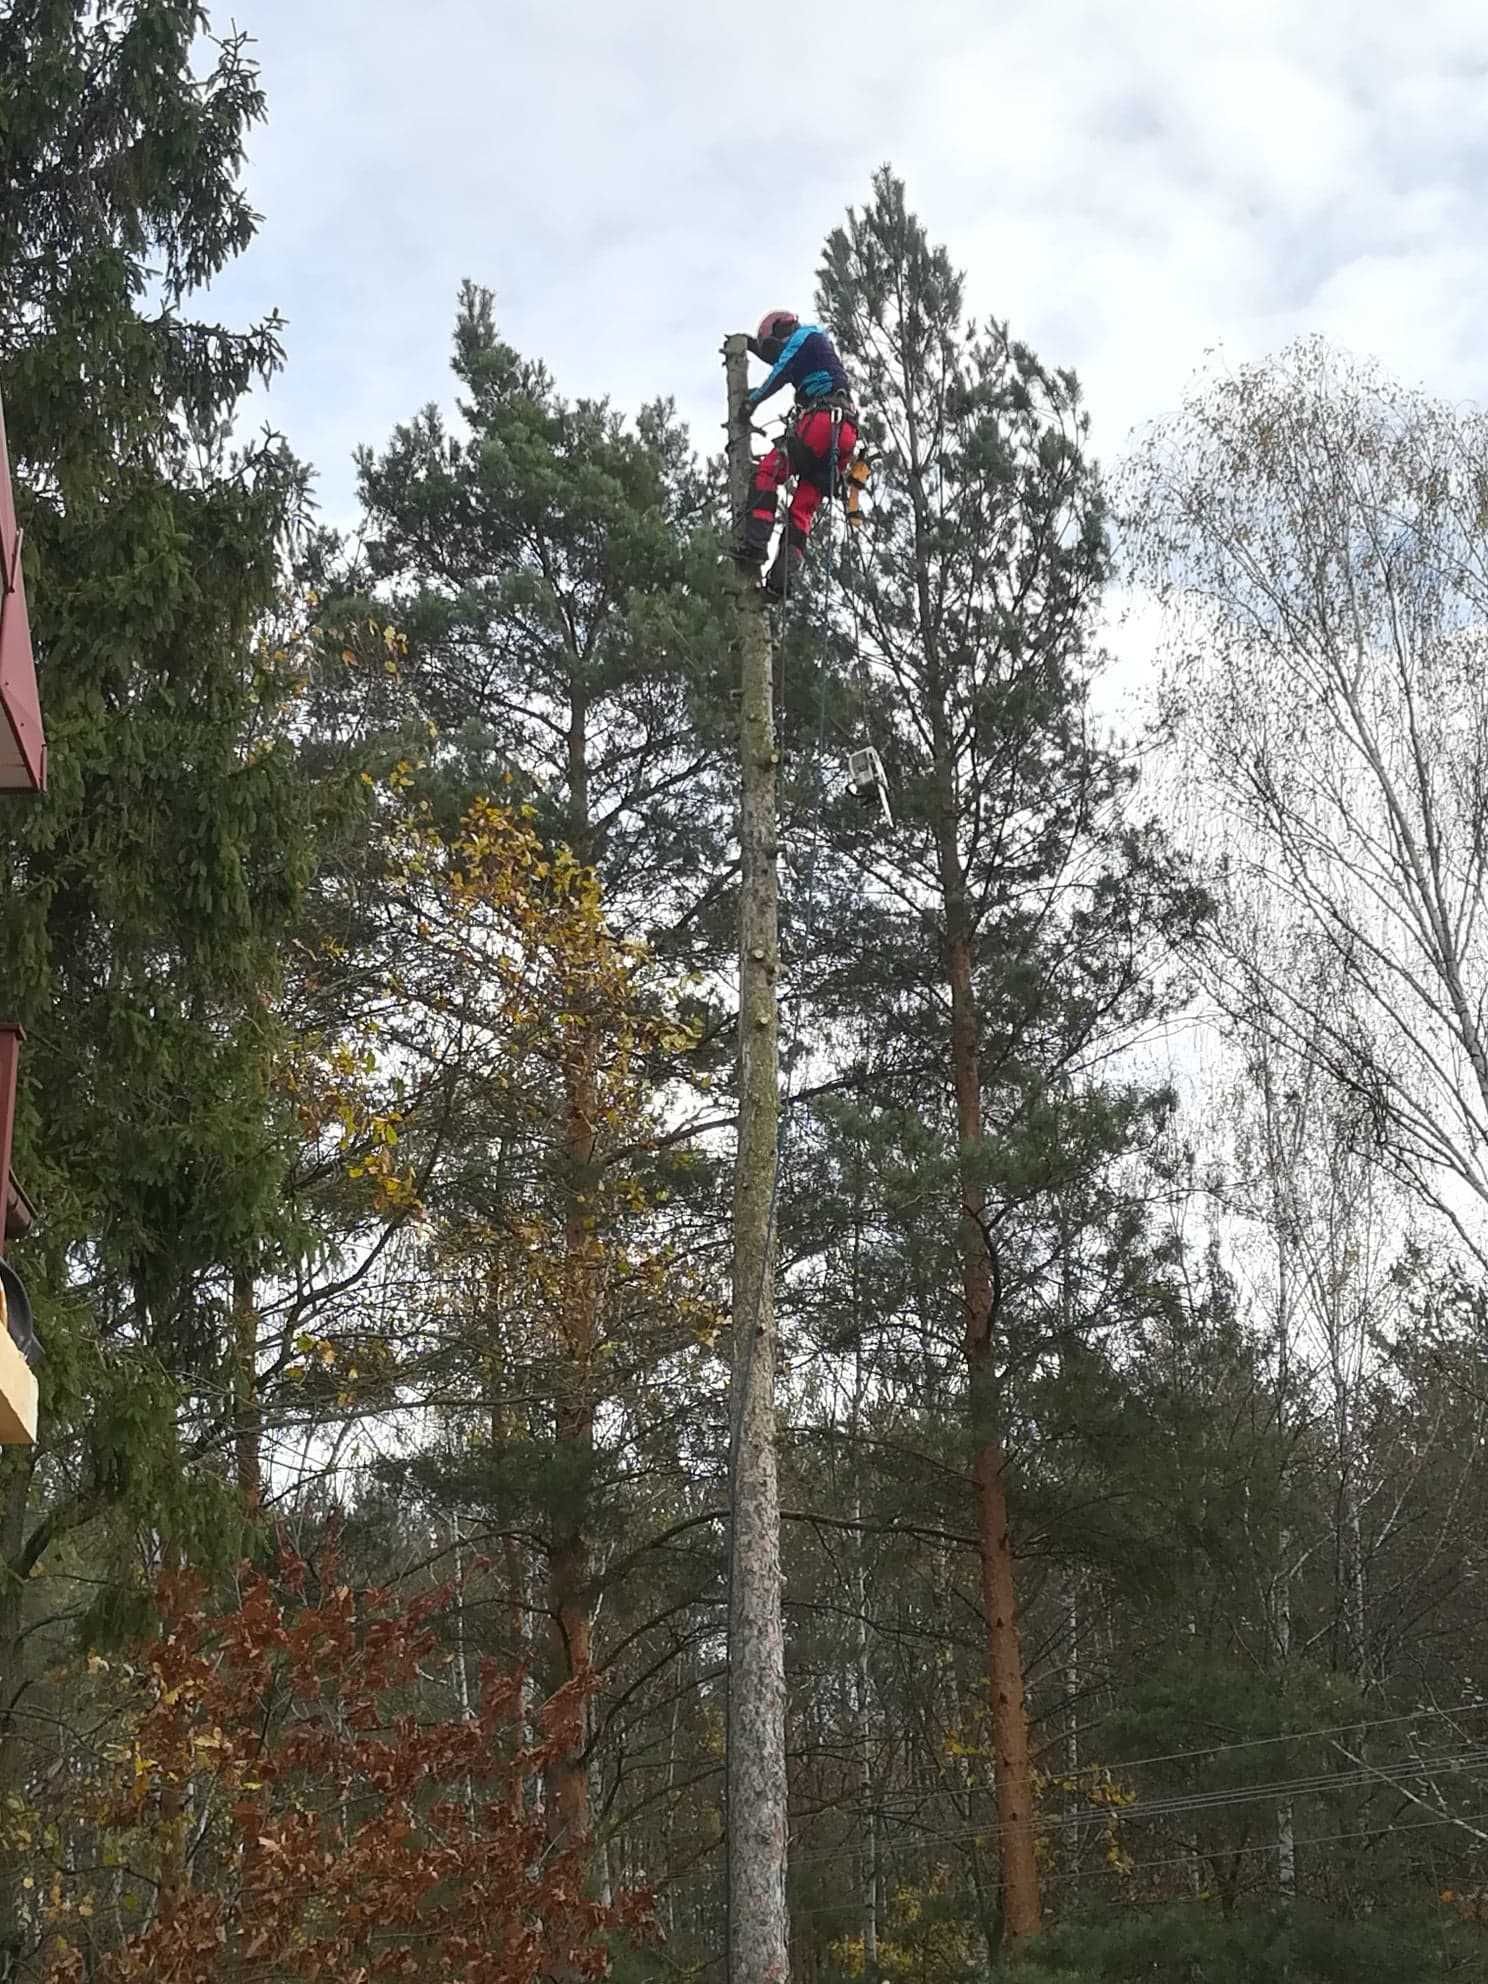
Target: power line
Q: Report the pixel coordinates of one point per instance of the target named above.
(1255, 1742)
(1279, 1790)
(1235, 1852)
(1300, 1735)
(1319, 1839)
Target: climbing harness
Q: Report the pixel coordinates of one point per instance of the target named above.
(846, 480)
(865, 770)
(823, 469)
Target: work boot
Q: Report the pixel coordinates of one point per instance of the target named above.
(752, 546)
(784, 576)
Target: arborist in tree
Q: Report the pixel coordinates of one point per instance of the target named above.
(816, 447)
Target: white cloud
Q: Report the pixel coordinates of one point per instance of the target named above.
(1130, 184)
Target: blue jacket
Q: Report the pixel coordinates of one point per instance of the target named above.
(809, 363)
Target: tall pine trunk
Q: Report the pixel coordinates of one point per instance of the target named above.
(973, 620)
(863, 1744)
(758, 1921)
(247, 1416)
(1004, 1654)
(568, 1811)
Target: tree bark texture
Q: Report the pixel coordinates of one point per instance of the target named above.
(756, 1789)
(17, 1468)
(247, 1416)
(1010, 1739)
(568, 1812)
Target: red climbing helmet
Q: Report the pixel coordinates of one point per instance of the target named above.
(777, 324)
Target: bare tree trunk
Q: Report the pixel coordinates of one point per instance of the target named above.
(1349, 1543)
(247, 1417)
(1072, 1716)
(868, 1870)
(568, 1806)
(758, 1925)
(978, 1819)
(1354, 1584)
(862, 1680)
(568, 1802)
(568, 1774)
(526, 1730)
(668, 1813)
(1010, 1739)
(1283, 1141)
(462, 1658)
(462, 1666)
(16, 1469)
(1286, 1834)
(175, 1804)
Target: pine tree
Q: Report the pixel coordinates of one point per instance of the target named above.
(1014, 925)
(552, 572)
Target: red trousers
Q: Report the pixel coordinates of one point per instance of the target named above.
(805, 453)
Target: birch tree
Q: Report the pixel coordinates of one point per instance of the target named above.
(1314, 535)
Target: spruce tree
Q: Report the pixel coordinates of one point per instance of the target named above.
(142, 901)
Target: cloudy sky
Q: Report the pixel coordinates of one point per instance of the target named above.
(1130, 182)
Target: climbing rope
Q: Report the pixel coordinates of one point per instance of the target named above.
(860, 666)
